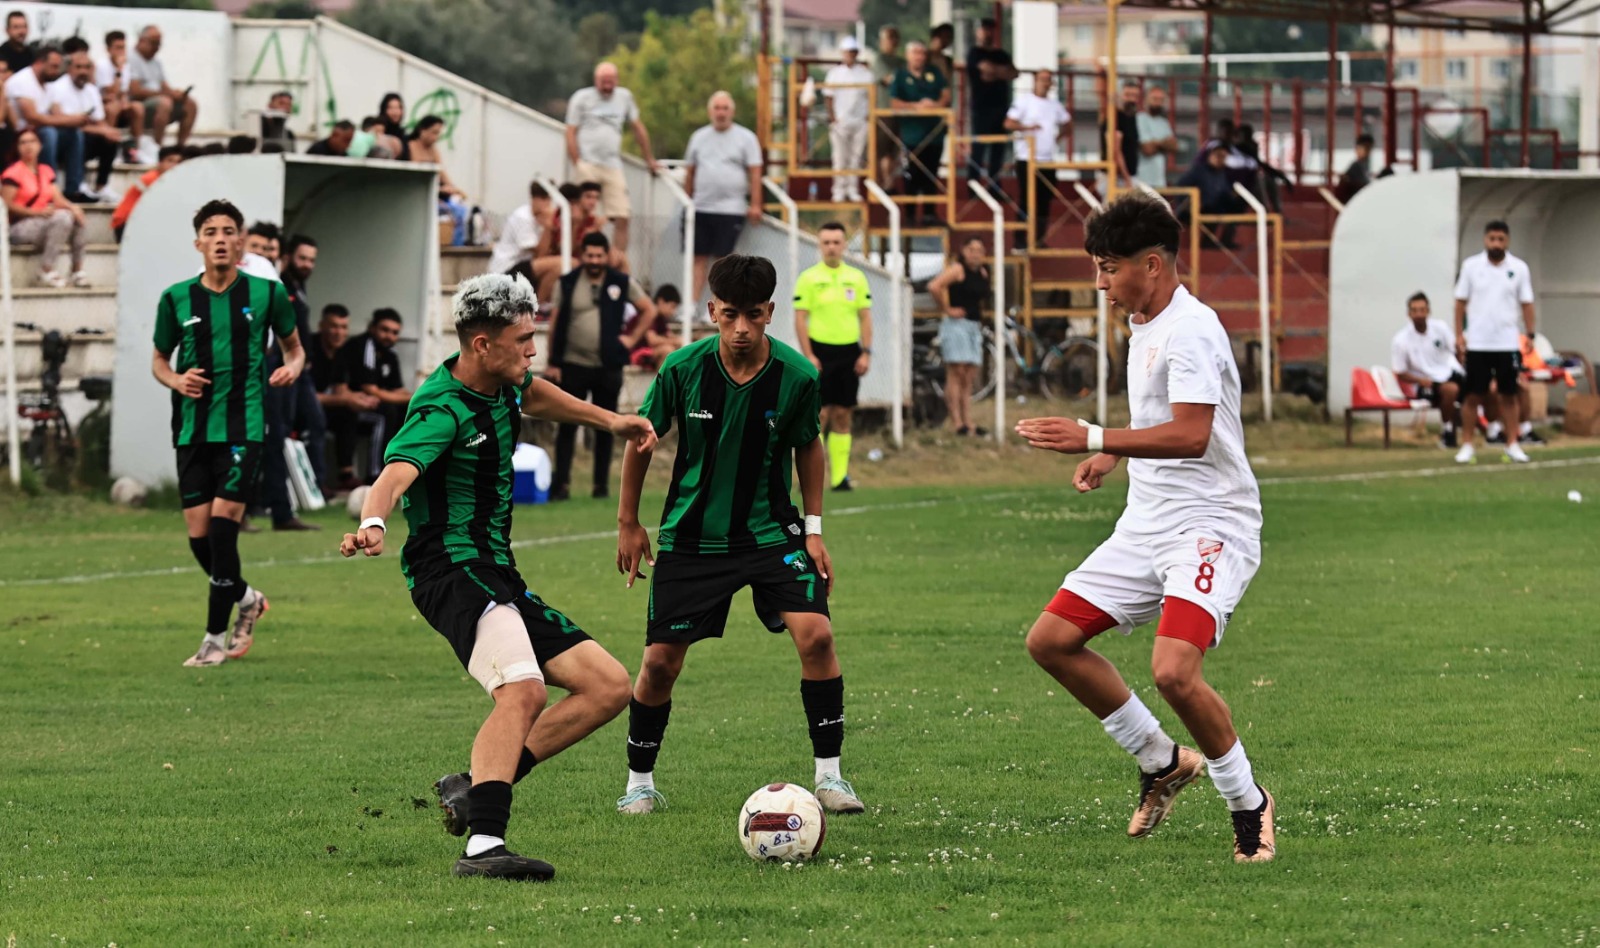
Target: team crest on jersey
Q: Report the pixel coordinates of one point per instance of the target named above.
(614, 291)
(772, 420)
(1150, 360)
(850, 293)
(1209, 549)
(245, 311)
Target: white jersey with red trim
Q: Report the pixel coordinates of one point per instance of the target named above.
(1183, 356)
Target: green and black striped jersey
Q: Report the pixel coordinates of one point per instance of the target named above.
(224, 334)
(732, 475)
(459, 508)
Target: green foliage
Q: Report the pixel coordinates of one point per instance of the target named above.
(630, 15)
(599, 34)
(1243, 34)
(911, 16)
(283, 10)
(678, 64)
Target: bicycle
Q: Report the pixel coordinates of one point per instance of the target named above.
(51, 444)
(1059, 371)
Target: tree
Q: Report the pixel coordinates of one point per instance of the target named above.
(910, 16)
(525, 49)
(630, 15)
(678, 64)
(1243, 34)
(283, 10)
(598, 35)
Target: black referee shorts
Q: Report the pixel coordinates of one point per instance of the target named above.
(1503, 368)
(839, 383)
(226, 471)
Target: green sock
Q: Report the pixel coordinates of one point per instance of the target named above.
(839, 455)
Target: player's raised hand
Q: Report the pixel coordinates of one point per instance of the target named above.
(818, 551)
(636, 428)
(633, 550)
(192, 383)
(1092, 472)
(369, 541)
(282, 377)
(1065, 435)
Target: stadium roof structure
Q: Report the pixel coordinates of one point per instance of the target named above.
(1538, 17)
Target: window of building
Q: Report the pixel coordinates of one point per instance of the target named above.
(1084, 33)
(1405, 69)
(1456, 68)
(1502, 68)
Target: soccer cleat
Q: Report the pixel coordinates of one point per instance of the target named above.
(452, 790)
(502, 863)
(1159, 791)
(1532, 437)
(844, 485)
(1514, 453)
(837, 796)
(641, 800)
(244, 624)
(1467, 455)
(1254, 837)
(208, 656)
(1447, 439)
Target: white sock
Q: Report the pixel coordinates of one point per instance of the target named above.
(1138, 732)
(1494, 429)
(637, 780)
(827, 767)
(1447, 427)
(480, 844)
(1525, 429)
(1234, 779)
(218, 640)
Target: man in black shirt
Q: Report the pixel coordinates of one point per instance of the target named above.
(294, 408)
(990, 72)
(349, 413)
(1127, 157)
(371, 367)
(16, 52)
(337, 144)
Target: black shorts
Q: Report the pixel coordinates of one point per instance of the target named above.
(690, 592)
(454, 602)
(1502, 367)
(839, 383)
(716, 234)
(226, 471)
(1432, 394)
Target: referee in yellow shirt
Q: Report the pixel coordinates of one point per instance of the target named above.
(833, 322)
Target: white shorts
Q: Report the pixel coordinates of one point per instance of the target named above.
(1127, 577)
(613, 188)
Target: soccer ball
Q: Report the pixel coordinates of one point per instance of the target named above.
(781, 823)
(128, 492)
(355, 500)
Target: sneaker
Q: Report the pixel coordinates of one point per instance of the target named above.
(844, 485)
(149, 152)
(1254, 837)
(837, 796)
(452, 790)
(80, 279)
(1467, 455)
(1159, 791)
(244, 624)
(1448, 439)
(1499, 437)
(641, 800)
(1532, 437)
(208, 656)
(52, 279)
(502, 863)
(110, 195)
(1514, 453)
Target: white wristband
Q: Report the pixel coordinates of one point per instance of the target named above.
(813, 525)
(1096, 437)
(372, 522)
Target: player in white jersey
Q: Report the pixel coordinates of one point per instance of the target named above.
(1186, 546)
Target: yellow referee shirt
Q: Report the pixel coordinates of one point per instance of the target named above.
(833, 298)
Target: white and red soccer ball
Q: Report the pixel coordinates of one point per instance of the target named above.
(781, 822)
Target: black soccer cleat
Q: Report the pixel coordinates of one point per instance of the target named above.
(452, 790)
(844, 485)
(502, 863)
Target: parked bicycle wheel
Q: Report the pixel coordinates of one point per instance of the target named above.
(1071, 369)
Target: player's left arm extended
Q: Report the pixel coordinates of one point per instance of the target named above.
(1187, 435)
(810, 466)
(385, 492)
(294, 360)
(544, 399)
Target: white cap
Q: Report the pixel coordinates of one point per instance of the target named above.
(849, 45)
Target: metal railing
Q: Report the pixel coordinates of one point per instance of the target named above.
(897, 304)
(1102, 326)
(1263, 296)
(999, 285)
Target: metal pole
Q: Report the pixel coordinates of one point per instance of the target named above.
(1263, 296)
(999, 284)
(7, 313)
(1330, 102)
(430, 339)
(897, 306)
(1205, 84)
(791, 213)
(1102, 359)
(565, 207)
(1527, 79)
(1390, 120)
(692, 299)
(1110, 107)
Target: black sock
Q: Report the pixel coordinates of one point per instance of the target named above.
(824, 701)
(227, 586)
(201, 548)
(490, 806)
(646, 726)
(525, 765)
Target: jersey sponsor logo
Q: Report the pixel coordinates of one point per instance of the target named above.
(796, 559)
(681, 626)
(1209, 549)
(475, 440)
(794, 528)
(192, 322)
(701, 414)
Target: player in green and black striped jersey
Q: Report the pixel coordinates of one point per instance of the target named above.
(746, 407)
(451, 464)
(217, 324)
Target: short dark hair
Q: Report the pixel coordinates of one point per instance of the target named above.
(218, 208)
(537, 190)
(1497, 225)
(587, 186)
(569, 191)
(595, 239)
(272, 148)
(1365, 139)
(743, 280)
(74, 44)
(115, 36)
(168, 151)
(295, 242)
(13, 15)
(371, 121)
(386, 314)
(425, 123)
(45, 50)
(214, 148)
(335, 309)
(266, 229)
(988, 23)
(943, 29)
(242, 145)
(668, 293)
(192, 151)
(1133, 223)
(1415, 297)
(974, 239)
(344, 125)
(833, 225)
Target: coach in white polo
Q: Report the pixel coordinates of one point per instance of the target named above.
(1494, 302)
(847, 117)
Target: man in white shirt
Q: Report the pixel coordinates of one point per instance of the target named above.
(595, 119)
(1189, 541)
(30, 108)
(1494, 302)
(722, 172)
(1424, 354)
(111, 76)
(163, 104)
(526, 245)
(848, 111)
(1156, 139)
(1039, 120)
(75, 95)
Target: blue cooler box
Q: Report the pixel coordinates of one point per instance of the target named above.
(531, 469)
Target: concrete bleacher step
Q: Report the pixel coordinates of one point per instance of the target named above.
(100, 263)
(458, 263)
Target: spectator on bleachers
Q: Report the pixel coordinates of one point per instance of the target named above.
(167, 159)
(242, 144)
(111, 77)
(1157, 142)
(1266, 183)
(370, 141)
(75, 95)
(722, 172)
(16, 52)
(990, 73)
(28, 94)
(41, 216)
(371, 367)
(596, 117)
(941, 40)
(588, 351)
(392, 110)
(1127, 139)
(163, 103)
(849, 111)
(263, 241)
(962, 290)
(424, 146)
(1359, 174)
(275, 121)
(349, 414)
(586, 216)
(651, 341)
(293, 408)
(1039, 120)
(886, 64)
(527, 244)
(8, 129)
(337, 144)
(1215, 185)
(918, 87)
(1424, 354)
